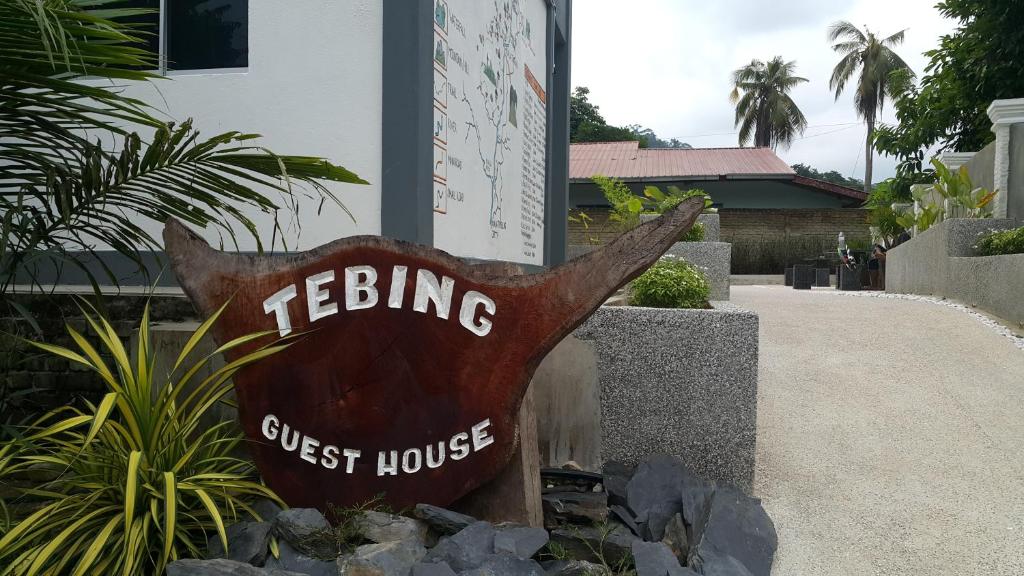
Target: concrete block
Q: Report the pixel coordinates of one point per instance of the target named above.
(715, 258)
(678, 382)
(712, 227)
(822, 278)
(803, 276)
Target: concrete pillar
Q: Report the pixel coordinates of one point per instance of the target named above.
(1005, 114)
(954, 160)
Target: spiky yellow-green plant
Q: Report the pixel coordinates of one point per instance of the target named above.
(136, 481)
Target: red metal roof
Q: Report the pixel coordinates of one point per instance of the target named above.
(626, 160)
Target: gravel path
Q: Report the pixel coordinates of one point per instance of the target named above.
(890, 436)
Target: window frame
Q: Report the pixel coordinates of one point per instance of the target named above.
(162, 56)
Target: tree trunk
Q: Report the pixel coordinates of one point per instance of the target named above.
(868, 156)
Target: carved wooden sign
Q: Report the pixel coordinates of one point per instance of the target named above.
(409, 376)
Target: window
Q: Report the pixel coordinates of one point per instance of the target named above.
(196, 34)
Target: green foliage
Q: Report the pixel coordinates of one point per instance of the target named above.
(966, 200)
(765, 113)
(671, 283)
(626, 206)
(976, 64)
(1003, 242)
(830, 176)
(661, 202)
(345, 532)
(75, 173)
(136, 481)
(694, 234)
(771, 255)
(583, 219)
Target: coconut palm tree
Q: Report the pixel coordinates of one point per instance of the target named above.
(876, 63)
(764, 111)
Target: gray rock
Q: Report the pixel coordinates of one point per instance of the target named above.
(444, 521)
(675, 538)
(613, 541)
(295, 561)
(616, 477)
(382, 527)
(575, 507)
(467, 549)
(725, 566)
(247, 542)
(737, 530)
(432, 569)
(625, 516)
(655, 559)
(575, 568)
(661, 488)
(305, 529)
(221, 567)
(387, 559)
(522, 542)
(500, 565)
(267, 510)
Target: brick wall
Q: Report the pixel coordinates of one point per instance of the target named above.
(32, 381)
(764, 240)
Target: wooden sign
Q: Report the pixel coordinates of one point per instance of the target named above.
(408, 378)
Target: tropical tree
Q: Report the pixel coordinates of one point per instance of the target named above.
(765, 113)
(82, 165)
(876, 66)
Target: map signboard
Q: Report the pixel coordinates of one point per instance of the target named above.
(490, 128)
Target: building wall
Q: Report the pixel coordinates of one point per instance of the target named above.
(312, 87)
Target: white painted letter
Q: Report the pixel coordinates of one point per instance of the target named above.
(293, 443)
(397, 294)
(314, 296)
(480, 438)
(414, 466)
(309, 445)
(390, 466)
(270, 426)
(431, 463)
(467, 315)
(350, 459)
(278, 304)
(428, 289)
(330, 457)
(353, 287)
(458, 445)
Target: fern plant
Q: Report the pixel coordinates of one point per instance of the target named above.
(137, 482)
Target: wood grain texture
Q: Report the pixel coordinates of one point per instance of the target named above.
(382, 378)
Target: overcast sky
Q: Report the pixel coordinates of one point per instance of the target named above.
(666, 64)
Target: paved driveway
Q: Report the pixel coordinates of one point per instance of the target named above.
(890, 436)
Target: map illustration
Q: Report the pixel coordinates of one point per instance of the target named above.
(489, 199)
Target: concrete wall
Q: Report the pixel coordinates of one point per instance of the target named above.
(1015, 195)
(312, 87)
(941, 262)
(681, 382)
(981, 167)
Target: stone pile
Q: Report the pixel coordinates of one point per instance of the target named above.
(659, 520)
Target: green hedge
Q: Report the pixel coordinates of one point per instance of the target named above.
(671, 283)
(1005, 242)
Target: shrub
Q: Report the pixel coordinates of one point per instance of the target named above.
(671, 283)
(1004, 242)
(134, 481)
(694, 234)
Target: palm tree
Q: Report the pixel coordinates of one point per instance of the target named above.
(877, 63)
(764, 110)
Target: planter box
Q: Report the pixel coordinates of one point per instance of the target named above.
(679, 382)
(941, 261)
(803, 276)
(714, 257)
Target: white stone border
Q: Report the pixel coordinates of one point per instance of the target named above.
(995, 326)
